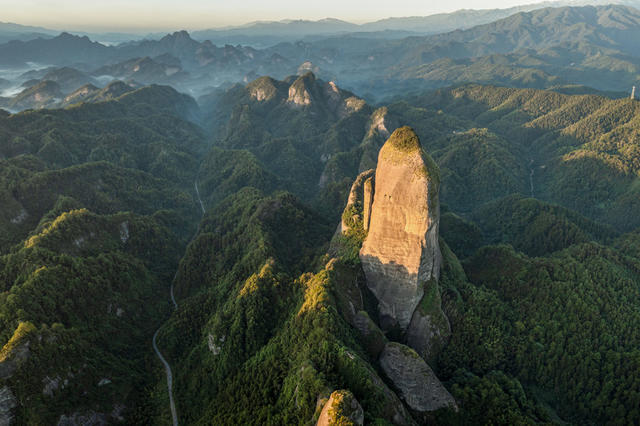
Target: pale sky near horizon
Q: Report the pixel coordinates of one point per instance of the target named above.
(149, 15)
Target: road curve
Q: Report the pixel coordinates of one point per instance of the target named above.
(167, 367)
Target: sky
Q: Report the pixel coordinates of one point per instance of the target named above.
(146, 15)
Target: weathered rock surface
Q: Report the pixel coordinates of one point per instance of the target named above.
(367, 202)
(378, 130)
(215, 344)
(300, 91)
(417, 384)
(342, 408)
(401, 253)
(7, 404)
(265, 89)
(89, 418)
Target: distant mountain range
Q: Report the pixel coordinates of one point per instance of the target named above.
(265, 33)
(550, 47)
(268, 33)
(541, 48)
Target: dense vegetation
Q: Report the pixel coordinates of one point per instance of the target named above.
(96, 210)
(507, 361)
(580, 151)
(564, 325)
(540, 275)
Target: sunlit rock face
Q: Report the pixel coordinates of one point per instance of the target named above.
(299, 91)
(401, 254)
(341, 409)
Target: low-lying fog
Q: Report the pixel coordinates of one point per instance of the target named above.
(15, 78)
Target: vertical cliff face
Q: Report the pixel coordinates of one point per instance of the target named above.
(401, 255)
(367, 202)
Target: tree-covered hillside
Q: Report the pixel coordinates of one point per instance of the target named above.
(96, 209)
(580, 151)
(539, 264)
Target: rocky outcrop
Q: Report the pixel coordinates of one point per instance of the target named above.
(342, 408)
(265, 89)
(300, 90)
(379, 123)
(356, 208)
(378, 129)
(83, 419)
(215, 345)
(416, 383)
(400, 254)
(325, 97)
(7, 404)
(16, 350)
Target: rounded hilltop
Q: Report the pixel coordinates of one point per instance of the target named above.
(403, 146)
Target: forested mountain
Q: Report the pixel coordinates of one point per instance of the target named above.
(581, 259)
(96, 209)
(257, 283)
(541, 48)
(574, 145)
(266, 34)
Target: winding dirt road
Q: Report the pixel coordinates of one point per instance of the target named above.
(167, 367)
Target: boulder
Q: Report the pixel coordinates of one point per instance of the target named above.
(416, 383)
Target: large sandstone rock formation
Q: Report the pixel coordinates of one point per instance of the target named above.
(417, 384)
(401, 255)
